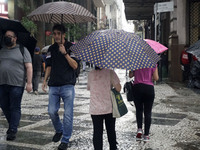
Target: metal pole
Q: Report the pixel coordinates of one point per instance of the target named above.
(155, 21)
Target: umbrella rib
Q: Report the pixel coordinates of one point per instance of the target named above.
(51, 16)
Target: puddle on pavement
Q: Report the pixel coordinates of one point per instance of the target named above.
(197, 134)
(35, 107)
(164, 122)
(170, 115)
(82, 88)
(189, 104)
(82, 98)
(80, 129)
(47, 127)
(79, 114)
(12, 147)
(78, 105)
(34, 117)
(33, 138)
(81, 83)
(188, 145)
(22, 123)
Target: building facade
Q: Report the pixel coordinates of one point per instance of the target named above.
(43, 35)
(175, 28)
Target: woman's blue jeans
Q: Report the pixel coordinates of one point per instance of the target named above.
(10, 102)
(67, 94)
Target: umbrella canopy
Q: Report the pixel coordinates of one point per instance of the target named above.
(195, 50)
(158, 48)
(23, 36)
(115, 49)
(61, 12)
(45, 49)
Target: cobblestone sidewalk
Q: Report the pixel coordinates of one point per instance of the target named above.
(175, 121)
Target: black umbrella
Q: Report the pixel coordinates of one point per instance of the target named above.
(195, 49)
(23, 36)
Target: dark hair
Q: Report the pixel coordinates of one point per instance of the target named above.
(59, 27)
(15, 33)
(187, 46)
(97, 68)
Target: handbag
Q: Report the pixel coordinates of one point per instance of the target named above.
(119, 107)
(128, 89)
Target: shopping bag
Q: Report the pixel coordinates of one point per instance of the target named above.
(119, 107)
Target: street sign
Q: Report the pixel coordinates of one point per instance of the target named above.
(165, 7)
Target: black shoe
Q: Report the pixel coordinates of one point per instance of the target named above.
(62, 146)
(57, 137)
(11, 135)
(8, 131)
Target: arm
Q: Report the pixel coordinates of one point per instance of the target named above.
(43, 65)
(155, 75)
(115, 82)
(47, 74)
(117, 87)
(29, 73)
(70, 60)
(131, 74)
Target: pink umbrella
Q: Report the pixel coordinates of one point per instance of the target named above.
(159, 48)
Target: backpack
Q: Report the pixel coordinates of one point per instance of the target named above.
(128, 89)
(78, 70)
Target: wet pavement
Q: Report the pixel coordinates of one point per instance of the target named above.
(175, 121)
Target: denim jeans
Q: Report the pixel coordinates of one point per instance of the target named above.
(67, 94)
(10, 101)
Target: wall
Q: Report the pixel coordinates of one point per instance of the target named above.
(177, 39)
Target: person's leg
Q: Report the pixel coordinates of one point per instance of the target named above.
(33, 80)
(138, 105)
(15, 97)
(84, 64)
(110, 128)
(37, 81)
(67, 93)
(148, 103)
(53, 107)
(97, 121)
(4, 101)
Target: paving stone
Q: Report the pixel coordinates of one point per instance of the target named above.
(175, 121)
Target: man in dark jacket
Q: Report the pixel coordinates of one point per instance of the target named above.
(61, 66)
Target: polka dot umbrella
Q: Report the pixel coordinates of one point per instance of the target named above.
(114, 48)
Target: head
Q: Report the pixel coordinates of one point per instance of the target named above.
(186, 46)
(10, 38)
(59, 33)
(37, 50)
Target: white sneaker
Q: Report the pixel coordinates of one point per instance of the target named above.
(139, 135)
(146, 138)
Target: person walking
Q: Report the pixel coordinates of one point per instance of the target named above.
(38, 64)
(61, 66)
(144, 94)
(99, 83)
(13, 67)
(185, 59)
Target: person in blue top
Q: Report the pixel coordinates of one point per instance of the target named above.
(144, 94)
(60, 67)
